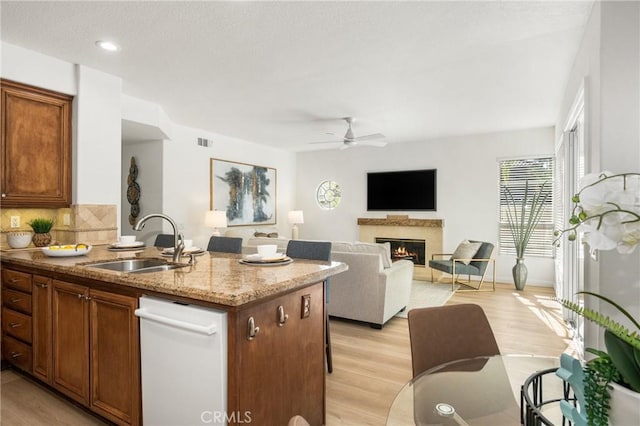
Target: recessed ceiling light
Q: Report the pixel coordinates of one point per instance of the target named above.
(107, 45)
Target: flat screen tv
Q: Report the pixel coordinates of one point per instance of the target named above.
(402, 190)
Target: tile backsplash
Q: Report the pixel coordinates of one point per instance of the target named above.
(81, 223)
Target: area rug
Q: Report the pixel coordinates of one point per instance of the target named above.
(424, 294)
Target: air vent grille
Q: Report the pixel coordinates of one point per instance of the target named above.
(204, 142)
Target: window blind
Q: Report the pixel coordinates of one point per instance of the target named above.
(515, 174)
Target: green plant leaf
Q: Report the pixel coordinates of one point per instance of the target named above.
(623, 358)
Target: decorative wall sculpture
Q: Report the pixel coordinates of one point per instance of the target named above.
(133, 192)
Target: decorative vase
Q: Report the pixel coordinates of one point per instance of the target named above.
(624, 406)
(519, 273)
(41, 240)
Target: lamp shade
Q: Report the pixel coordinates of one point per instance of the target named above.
(216, 219)
(296, 216)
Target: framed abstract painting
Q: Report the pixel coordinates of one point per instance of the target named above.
(246, 192)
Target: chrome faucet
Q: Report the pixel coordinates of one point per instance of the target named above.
(178, 239)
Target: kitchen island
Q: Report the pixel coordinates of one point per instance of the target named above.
(77, 314)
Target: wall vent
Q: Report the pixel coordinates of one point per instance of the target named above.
(204, 142)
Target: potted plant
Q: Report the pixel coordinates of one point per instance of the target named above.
(523, 213)
(606, 209)
(41, 227)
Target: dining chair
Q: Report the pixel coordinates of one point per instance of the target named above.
(298, 420)
(164, 240)
(225, 244)
(447, 333)
(315, 250)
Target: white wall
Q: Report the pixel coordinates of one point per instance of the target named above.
(97, 150)
(148, 156)
(468, 188)
(29, 67)
(174, 174)
(186, 178)
(609, 62)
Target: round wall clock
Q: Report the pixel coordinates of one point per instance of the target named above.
(328, 195)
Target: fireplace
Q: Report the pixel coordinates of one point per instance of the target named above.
(405, 248)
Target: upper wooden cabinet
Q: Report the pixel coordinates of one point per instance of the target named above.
(36, 146)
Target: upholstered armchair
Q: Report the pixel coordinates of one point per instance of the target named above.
(470, 258)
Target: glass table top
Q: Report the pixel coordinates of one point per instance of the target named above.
(477, 391)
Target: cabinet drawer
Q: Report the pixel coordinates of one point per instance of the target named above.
(16, 300)
(16, 324)
(16, 280)
(16, 352)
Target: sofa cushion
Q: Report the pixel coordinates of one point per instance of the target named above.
(466, 250)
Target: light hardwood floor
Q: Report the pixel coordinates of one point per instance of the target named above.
(369, 366)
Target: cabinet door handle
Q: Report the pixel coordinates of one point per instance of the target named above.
(15, 324)
(41, 285)
(252, 330)
(87, 297)
(15, 300)
(282, 317)
(16, 354)
(14, 280)
(4, 195)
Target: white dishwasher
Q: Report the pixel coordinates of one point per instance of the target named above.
(184, 363)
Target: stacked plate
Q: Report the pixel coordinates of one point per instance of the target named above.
(186, 252)
(256, 259)
(118, 246)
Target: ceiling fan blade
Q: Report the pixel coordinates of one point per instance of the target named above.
(369, 137)
(314, 143)
(373, 143)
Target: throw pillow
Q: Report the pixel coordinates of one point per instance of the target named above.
(466, 250)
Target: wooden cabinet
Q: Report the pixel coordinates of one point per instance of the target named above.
(280, 371)
(70, 313)
(16, 319)
(96, 352)
(36, 146)
(115, 348)
(42, 328)
(82, 341)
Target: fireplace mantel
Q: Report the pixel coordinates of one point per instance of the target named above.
(401, 226)
(401, 221)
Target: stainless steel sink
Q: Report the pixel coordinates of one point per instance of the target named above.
(137, 265)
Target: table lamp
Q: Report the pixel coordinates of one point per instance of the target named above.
(295, 217)
(216, 219)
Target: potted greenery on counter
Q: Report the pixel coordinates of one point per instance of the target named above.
(41, 227)
(607, 210)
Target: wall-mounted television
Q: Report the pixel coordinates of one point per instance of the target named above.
(402, 190)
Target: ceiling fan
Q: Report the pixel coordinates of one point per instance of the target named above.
(350, 140)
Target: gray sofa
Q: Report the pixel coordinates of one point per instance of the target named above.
(373, 290)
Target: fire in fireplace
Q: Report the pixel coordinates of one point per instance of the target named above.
(403, 248)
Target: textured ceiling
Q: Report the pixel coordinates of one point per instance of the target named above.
(283, 73)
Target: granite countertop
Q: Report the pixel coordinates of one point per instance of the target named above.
(216, 277)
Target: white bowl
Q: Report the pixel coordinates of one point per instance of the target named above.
(19, 239)
(267, 250)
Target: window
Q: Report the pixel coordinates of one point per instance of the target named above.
(514, 174)
(328, 195)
